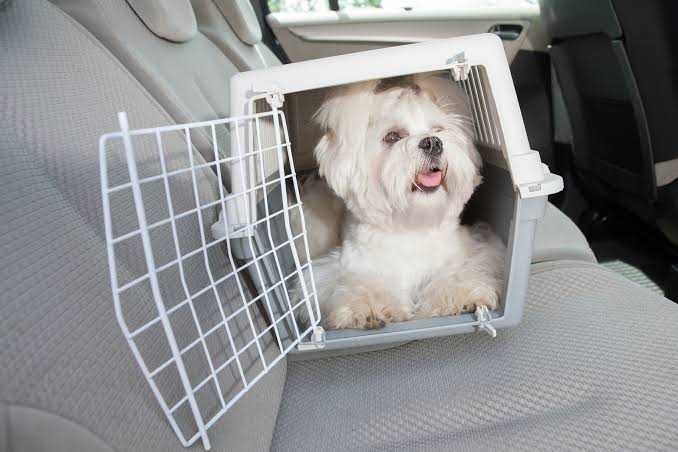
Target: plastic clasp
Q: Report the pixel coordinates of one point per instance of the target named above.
(460, 67)
(317, 341)
(483, 316)
(533, 178)
(275, 99)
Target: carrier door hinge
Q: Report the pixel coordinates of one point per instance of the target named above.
(270, 93)
(483, 316)
(460, 67)
(317, 341)
(275, 99)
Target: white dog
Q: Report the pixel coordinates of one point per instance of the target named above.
(399, 153)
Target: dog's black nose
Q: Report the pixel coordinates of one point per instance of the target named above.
(432, 146)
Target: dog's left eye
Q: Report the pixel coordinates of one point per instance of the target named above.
(392, 137)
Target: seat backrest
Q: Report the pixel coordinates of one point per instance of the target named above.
(650, 42)
(68, 380)
(611, 142)
(571, 18)
(610, 138)
(233, 26)
(160, 44)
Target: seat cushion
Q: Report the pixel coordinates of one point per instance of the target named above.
(593, 365)
(557, 237)
(67, 374)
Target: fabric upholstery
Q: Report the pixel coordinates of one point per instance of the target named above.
(173, 21)
(557, 237)
(592, 366)
(213, 24)
(567, 18)
(61, 350)
(240, 15)
(190, 79)
(62, 353)
(615, 62)
(610, 140)
(57, 434)
(653, 52)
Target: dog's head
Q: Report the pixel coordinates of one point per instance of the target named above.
(399, 151)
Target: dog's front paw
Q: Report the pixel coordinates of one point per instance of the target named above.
(365, 309)
(441, 299)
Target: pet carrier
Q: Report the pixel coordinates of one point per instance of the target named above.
(208, 318)
(516, 187)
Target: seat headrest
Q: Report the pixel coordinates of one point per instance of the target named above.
(243, 20)
(172, 20)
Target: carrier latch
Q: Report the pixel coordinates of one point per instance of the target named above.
(483, 316)
(317, 341)
(460, 67)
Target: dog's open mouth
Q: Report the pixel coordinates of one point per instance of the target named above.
(428, 180)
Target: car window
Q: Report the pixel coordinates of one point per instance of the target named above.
(276, 6)
(327, 5)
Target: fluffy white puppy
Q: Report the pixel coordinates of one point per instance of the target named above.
(399, 153)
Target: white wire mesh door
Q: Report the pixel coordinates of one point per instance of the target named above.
(205, 317)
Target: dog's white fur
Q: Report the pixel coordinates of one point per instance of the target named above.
(403, 252)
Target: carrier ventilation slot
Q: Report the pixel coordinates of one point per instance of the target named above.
(201, 336)
(485, 124)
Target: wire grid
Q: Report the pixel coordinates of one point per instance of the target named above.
(485, 122)
(197, 329)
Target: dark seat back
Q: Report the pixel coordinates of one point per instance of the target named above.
(615, 61)
(650, 42)
(612, 146)
(609, 129)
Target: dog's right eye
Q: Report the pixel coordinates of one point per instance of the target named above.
(392, 137)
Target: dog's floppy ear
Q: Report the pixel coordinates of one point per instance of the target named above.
(336, 171)
(343, 118)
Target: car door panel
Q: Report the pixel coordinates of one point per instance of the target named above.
(306, 36)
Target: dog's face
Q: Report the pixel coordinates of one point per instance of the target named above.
(398, 153)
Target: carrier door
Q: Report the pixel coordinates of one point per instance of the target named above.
(207, 307)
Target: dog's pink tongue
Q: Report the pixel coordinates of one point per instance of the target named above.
(429, 178)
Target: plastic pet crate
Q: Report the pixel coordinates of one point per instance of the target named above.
(202, 252)
(516, 184)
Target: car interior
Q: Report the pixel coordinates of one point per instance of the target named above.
(593, 364)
